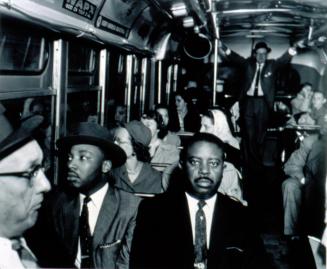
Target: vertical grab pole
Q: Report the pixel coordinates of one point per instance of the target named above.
(169, 81)
(144, 82)
(215, 72)
(159, 81)
(128, 85)
(59, 86)
(213, 17)
(102, 83)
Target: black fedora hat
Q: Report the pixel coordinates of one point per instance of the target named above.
(93, 134)
(12, 139)
(261, 45)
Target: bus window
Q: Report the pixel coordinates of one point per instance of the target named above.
(82, 65)
(22, 53)
(82, 106)
(81, 59)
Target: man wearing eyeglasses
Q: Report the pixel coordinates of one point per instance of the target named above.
(22, 186)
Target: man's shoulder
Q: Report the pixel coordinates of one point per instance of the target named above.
(161, 201)
(230, 204)
(126, 196)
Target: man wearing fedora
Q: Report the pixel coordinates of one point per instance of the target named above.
(256, 98)
(92, 221)
(22, 187)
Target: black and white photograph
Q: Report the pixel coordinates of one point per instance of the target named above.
(163, 134)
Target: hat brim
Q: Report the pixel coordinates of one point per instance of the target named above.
(267, 48)
(20, 136)
(114, 153)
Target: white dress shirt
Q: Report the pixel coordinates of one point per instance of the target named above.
(9, 258)
(250, 92)
(94, 207)
(208, 211)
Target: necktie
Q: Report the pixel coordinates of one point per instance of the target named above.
(200, 246)
(85, 236)
(26, 257)
(256, 84)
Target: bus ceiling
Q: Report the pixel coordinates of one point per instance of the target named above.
(145, 26)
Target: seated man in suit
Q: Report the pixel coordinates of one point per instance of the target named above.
(193, 226)
(22, 187)
(93, 222)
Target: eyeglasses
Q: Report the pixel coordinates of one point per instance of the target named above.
(30, 175)
(121, 142)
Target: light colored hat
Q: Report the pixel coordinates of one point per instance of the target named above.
(139, 132)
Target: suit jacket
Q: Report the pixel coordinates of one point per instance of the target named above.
(111, 238)
(163, 236)
(267, 78)
(148, 181)
(314, 191)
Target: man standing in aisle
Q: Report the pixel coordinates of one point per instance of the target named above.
(256, 99)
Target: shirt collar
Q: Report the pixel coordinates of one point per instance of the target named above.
(97, 197)
(209, 202)
(5, 242)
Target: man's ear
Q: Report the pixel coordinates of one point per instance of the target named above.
(106, 166)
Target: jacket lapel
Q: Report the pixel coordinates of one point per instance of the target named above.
(183, 232)
(218, 229)
(106, 216)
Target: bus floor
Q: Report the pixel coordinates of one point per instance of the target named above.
(265, 203)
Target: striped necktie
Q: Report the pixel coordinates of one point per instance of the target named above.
(200, 244)
(257, 79)
(85, 236)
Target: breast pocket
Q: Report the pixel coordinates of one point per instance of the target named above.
(110, 245)
(233, 257)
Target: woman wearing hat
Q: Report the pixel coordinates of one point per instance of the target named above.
(136, 175)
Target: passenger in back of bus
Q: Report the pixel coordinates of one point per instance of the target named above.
(215, 121)
(170, 137)
(117, 115)
(302, 101)
(304, 192)
(315, 113)
(312, 206)
(162, 153)
(292, 187)
(184, 116)
(136, 175)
